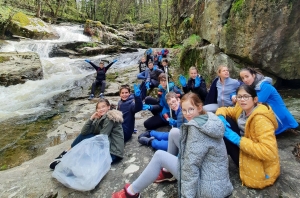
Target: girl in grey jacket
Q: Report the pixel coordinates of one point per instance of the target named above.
(201, 168)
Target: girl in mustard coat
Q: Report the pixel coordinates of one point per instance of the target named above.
(252, 145)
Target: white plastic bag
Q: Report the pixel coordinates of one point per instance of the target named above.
(85, 164)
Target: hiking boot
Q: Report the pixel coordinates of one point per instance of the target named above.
(101, 95)
(145, 141)
(91, 97)
(53, 164)
(124, 194)
(165, 176)
(145, 134)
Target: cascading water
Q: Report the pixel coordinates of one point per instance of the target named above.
(59, 74)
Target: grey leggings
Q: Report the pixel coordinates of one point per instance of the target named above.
(161, 159)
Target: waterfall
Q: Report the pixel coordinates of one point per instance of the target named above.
(60, 74)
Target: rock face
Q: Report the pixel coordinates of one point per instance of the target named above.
(17, 68)
(125, 35)
(29, 27)
(264, 34)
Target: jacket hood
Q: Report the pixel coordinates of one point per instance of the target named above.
(264, 80)
(115, 115)
(213, 127)
(131, 97)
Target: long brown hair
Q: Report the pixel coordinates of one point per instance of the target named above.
(194, 99)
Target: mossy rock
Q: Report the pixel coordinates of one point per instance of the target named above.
(30, 27)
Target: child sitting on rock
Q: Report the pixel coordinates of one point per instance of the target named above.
(142, 68)
(101, 76)
(158, 106)
(129, 104)
(195, 83)
(159, 140)
(102, 121)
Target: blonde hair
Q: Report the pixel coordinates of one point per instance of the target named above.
(194, 99)
(193, 68)
(170, 95)
(220, 67)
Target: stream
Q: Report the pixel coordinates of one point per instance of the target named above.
(29, 110)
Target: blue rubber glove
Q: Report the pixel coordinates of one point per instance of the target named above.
(222, 118)
(87, 60)
(172, 122)
(182, 80)
(155, 67)
(137, 91)
(197, 81)
(147, 107)
(115, 60)
(232, 136)
(147, 85)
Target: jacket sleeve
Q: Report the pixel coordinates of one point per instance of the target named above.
(95, 67)
(88, 128)
(265, 92)
(228, 111)
(202, 90)
(108, 66)
(137, 105)
(193, 158)
(264, 146)
(186, 89)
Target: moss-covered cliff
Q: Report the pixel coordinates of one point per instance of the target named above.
(258, 33)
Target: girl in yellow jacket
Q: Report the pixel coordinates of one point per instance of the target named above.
(250, 138)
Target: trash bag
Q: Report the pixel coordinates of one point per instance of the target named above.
(85, 164)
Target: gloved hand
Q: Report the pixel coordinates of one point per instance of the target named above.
(148, 85)
(182, 80)
(147, 107)
(137, 91)
(172, 122)
(232, 136)
(197, 81)
(87, 60)
(155, 67)
(114, 60)
(223, 119)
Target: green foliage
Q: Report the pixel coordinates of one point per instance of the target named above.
(88, 45)
(237, 5)
(22, 18)
(192, 41)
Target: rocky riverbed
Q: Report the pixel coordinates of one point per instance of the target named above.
(33, 178)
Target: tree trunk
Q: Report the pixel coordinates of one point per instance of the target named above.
(159, 19)
(39, 8)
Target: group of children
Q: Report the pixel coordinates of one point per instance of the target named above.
(248, 116)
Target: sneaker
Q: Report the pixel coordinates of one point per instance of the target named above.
(91, 97)
(145, 134)
(53, 164)
(165, 176)
(134, 131)
(124, 194)
(61, 155)
(101, 95)
(145, 141)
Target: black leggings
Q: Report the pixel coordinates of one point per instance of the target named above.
(155, 122)
(232, 149)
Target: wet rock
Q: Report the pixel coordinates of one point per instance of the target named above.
(17, 68)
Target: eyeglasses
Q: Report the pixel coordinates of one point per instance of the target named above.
(190, 111)
(244, 97)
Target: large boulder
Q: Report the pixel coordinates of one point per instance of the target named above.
(264, 34)
(30, 27)
(18, 67)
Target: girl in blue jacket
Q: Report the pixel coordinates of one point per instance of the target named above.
(268, 94)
